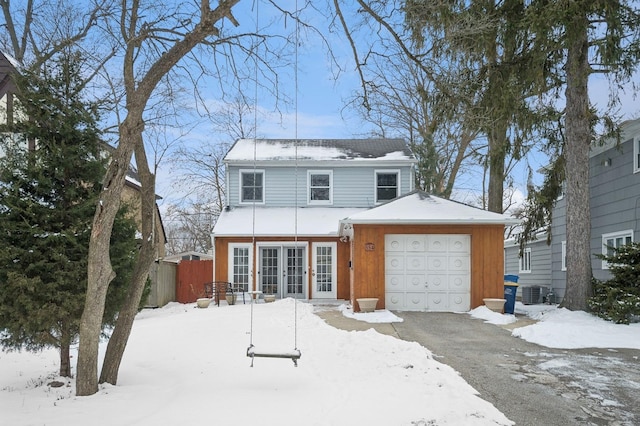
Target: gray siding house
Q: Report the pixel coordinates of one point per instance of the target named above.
(340, 219)
(614, 183)
(533, 268)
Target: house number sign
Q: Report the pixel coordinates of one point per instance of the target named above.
(369, 247)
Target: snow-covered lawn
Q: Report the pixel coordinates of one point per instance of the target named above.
(188, 366)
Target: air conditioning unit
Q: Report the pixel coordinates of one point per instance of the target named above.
(531, 295)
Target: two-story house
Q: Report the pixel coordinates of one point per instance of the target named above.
(340, 219)
(614, 186)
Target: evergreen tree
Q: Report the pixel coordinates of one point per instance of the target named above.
(618, 299)
(579, 38)
(490, 74)
(50, 177)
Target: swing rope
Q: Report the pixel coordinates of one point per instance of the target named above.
(295, 221)
(251, 352)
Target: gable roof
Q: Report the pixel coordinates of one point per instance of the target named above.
(289, 150)
(8, 67)
(418, 207)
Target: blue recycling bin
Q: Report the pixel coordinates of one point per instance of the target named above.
(510, 289)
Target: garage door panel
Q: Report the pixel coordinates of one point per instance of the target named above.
(437, 263)
(459, 282)
(437, 302)
(415, 282)
(458, 263)
(459, 302)
(459, 243)
(415, 263)
(416, 243)
(437, 282)
(437, 243)
(395, 282)
(394, 243)
(394, 301)
(394, 263)
(415, 301)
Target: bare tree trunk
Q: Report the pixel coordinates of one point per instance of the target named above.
(118, 341)
(65, 358)
(578, 138)
(138, 89)
(100, 271)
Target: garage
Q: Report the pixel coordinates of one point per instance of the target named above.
(428, 272)
(419, 252)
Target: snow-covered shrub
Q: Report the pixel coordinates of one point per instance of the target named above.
(618, 299)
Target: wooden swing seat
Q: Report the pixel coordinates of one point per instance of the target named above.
(293, 355)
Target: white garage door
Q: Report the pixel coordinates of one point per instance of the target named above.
(427, 272)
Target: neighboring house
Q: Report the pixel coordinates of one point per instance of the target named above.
(339, 219)
(614, 185)
(187, 255)
(131, 192)
(533, 268)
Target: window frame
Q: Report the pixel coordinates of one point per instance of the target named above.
(241, 186)
(524, 262)
(310, 173)
(636, 153)
(386, 172)
(564, 256)
(613, 236)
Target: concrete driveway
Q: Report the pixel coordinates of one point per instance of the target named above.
(531, 384)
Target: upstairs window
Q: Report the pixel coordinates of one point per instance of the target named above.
(252, 186)
(320, 187)
(525, 261)
(387, 185)
(615, 240)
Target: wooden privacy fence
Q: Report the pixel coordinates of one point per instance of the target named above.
(163, 284)
(190, 278)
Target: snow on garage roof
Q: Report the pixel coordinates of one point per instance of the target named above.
(244, 150)
(281, 221)
(418, 207)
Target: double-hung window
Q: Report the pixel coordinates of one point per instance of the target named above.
(320, 186)
(252, 186)
(525, 261)
(387, 185)
(614, 240)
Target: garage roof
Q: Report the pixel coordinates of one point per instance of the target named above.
(418, 207)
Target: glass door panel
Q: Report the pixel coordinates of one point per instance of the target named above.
(294, 274)
(270, 270)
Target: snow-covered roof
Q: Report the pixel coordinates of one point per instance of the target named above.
(287, 150)
(281, 221)
(418, 207)
(13, 61)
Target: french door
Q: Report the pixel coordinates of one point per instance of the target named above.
(324, 271)
(282, 270)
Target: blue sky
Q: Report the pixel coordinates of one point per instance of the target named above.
(320, 111)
